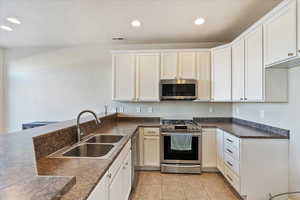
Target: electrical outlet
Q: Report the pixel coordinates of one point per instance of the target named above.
(262, 114)
(150, 110)
(211, 109)
(237, 111)
(138, 109)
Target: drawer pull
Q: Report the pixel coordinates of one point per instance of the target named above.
(229, 140)
(229, 177)
(229, 150)
(229, 163)
(290, 54)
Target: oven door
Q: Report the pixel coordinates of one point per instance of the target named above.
(180, 157)
(178, 89)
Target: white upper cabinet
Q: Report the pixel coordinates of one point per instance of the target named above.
(148, 75)
(254, 65)
(238, 70)
(187, 65)
(204, 75)
(169, 65)
(280, 35)
(221, 74)
(123, 77)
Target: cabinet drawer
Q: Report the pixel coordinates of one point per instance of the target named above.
(232, 151)
(151, 131)
(232, 164)
(119, 160)
(232, 140)
(232, 178)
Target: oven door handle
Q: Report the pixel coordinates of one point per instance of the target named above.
(179, 166)
(169, 134)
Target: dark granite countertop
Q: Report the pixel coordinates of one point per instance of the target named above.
(51, 178)
(242, 131)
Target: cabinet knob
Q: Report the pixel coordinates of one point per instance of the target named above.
(246, 99)
(126, 163)
(290, 54)
(109, 175)
(241, 98)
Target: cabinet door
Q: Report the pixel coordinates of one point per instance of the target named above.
(151, 151)
(254, 65)
(127, 175)
(116, 187)
(209, 148)
(221, 74)
(203, 75)
(280, 35)
(187, 65)
(238, 70)
(220, 151)
(169, 65)
(123, 77)
(100, 192)
(148, 77)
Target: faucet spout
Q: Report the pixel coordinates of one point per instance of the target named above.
(79, 132)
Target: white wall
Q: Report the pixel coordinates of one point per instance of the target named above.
(1, 90)
(56, 83)
(284, 115)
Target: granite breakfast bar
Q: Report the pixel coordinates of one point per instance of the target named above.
(27, 171)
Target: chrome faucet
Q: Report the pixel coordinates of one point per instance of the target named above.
(79, 132)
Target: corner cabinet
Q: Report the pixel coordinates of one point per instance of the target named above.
(209, 147)
(243, 161)
(238, 70)
(136, 76)
(204, 75)
(221, 73)
(280, 35)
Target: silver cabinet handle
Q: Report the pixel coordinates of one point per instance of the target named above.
(229, 140)
(246, 99)
(229, 177)
(229, 150)
(290, 54)
(229, 163)
(241, 98)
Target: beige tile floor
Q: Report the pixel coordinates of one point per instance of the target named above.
(157, 186)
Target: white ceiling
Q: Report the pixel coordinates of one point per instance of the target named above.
(78, 22)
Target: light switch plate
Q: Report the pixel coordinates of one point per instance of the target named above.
(138, 109)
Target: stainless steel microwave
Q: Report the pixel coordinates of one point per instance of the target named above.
(178, 89)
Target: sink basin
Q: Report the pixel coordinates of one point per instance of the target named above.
(89, 150)
(105, 139)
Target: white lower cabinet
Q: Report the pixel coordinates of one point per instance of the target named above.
(101, 191)
(149, 147)
(254, 167)
(116, 183)
(220, 152)
(209, 150)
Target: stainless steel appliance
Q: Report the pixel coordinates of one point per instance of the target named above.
(135, 159)
(178, 89)
(174, 161)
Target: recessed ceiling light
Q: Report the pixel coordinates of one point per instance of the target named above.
(135, 23)
(199, 21)
(6, 28)
(13, 20)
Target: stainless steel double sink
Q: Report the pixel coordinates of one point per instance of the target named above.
(97, 146)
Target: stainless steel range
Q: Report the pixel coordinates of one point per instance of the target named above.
(185, 160)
